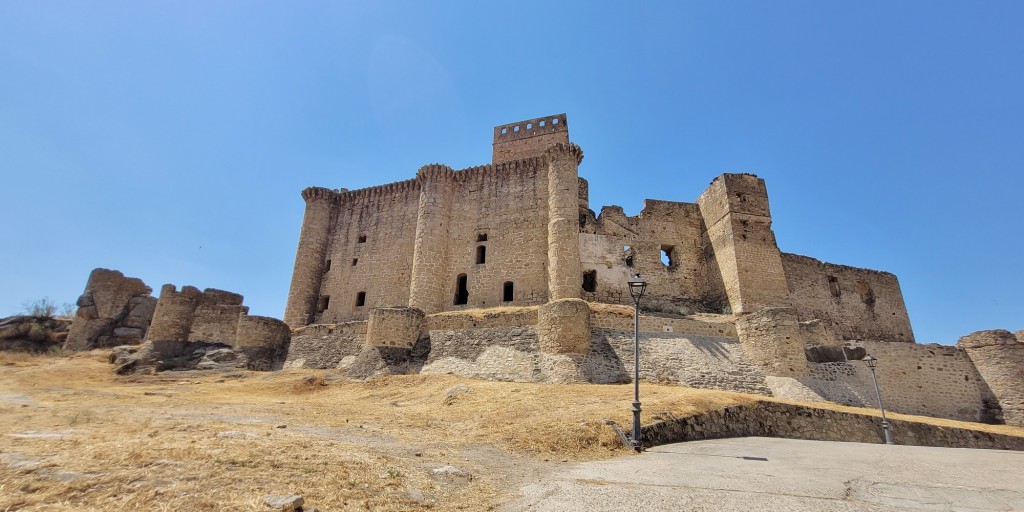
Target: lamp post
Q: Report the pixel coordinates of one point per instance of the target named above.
(636, 290)
(872, 363)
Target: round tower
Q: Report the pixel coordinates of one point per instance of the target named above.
(565, 277)
(311, 255)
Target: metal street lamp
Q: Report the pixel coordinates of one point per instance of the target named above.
(872, 363)
(636, 290)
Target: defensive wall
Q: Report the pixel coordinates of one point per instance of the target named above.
(503, 271)
(183, 329)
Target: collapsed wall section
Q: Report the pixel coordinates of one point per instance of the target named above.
(664, 245)
(854, 303)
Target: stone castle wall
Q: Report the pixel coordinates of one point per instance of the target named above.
(854, 303)
(738, 219)
(998, 356)
(613, 246)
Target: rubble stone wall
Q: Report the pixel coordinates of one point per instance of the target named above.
(772, 419)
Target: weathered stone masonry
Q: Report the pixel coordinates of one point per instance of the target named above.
(382, 273)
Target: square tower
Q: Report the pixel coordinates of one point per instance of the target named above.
(524, 139)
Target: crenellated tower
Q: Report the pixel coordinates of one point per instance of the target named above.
(311, 255)
(428, 287)
(524, 139)
(565, 277)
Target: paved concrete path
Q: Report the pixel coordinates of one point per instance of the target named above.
(757, 473)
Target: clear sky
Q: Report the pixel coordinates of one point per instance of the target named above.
(171, 140)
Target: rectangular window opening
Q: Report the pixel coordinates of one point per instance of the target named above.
(507, 291)
(327, 265)
(461, 290)
(325, 301)
(482, 237)
(361, 239)
(481, 254)
(360, 299)
(833, 287)
(590, 281)
(354, 261)
(667, 256)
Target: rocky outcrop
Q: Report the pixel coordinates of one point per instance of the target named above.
(113, 310)
(28, 333)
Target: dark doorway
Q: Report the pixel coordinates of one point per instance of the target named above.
(461, 291)
(507, 293)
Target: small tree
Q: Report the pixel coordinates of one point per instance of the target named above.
(47, 308)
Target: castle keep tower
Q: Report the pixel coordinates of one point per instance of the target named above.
(528, 138)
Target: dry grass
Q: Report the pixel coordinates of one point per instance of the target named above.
(73, 436)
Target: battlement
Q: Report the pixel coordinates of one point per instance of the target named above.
(528, 138)
(530, 128)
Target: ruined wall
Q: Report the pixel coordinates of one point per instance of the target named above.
(525, 139)
(738, 219)
(215, 319)
(370, 252)
(927, 380)
(263, 341)
(113, 310)
(999, 357)
(310, 257)
(854, 303)
(771, 337)
(614, 246)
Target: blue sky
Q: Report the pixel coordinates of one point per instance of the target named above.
(170, 140)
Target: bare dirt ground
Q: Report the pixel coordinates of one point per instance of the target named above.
(74, 436)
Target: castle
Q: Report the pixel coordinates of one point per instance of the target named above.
(503, 272)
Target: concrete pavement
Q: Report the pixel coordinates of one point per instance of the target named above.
(784, 474)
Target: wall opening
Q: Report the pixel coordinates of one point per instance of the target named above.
(867, 295)
(482, 237)
(590, 281)
(354, 261)
(668, 256)
(629, 255)
(327, 265)
(833, 286)
(361, 239)
(325, 300)
(506, 294)
(481, 254)
(360, 299)
(461, 290)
